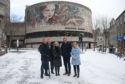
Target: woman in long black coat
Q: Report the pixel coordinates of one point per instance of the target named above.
(57, 58)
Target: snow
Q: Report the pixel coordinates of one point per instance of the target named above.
(96, 68)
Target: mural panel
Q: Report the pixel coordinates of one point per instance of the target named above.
(54, 14)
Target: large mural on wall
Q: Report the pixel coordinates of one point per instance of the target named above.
(52, 14)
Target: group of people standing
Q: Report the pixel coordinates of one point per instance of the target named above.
(51, 53)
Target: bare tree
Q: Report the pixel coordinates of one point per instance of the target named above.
(101, 25)
(105, 23)
(15, 18)
(96, 31)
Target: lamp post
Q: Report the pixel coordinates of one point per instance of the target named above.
(81, 39)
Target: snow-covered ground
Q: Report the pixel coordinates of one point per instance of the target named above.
(96, 68)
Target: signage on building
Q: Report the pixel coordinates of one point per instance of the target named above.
(120, 38)
(124, 38)
(73, 28)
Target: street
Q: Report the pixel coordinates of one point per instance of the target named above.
(96, 68)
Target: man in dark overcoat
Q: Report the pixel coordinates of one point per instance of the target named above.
(43, 49)
(66, 49)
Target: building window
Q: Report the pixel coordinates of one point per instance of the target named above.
(57, 33)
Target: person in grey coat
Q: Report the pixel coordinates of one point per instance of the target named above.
(57, 58)
(75, 54)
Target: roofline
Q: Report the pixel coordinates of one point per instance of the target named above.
(120, 15)
(59, 2)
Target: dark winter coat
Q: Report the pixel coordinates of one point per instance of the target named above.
(50, 51)
(66, 49)
(57, 56)
(43, 49)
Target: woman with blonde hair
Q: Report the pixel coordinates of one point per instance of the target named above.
(75, 54)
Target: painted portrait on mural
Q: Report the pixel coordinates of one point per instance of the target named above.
(46, 13)
(57, 14)
(42, 14)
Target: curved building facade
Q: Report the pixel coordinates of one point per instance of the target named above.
(56, 20)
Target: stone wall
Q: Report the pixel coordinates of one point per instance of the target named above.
(4, 18)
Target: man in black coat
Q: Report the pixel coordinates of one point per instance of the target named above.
(66, 49)
(43, 49)
(50, 52)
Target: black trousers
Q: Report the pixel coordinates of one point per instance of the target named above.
(57, 70)
(76, 69)
(67, 64)
(52, 66)
(44, 66)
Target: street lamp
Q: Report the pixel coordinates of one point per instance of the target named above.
(81, 35)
